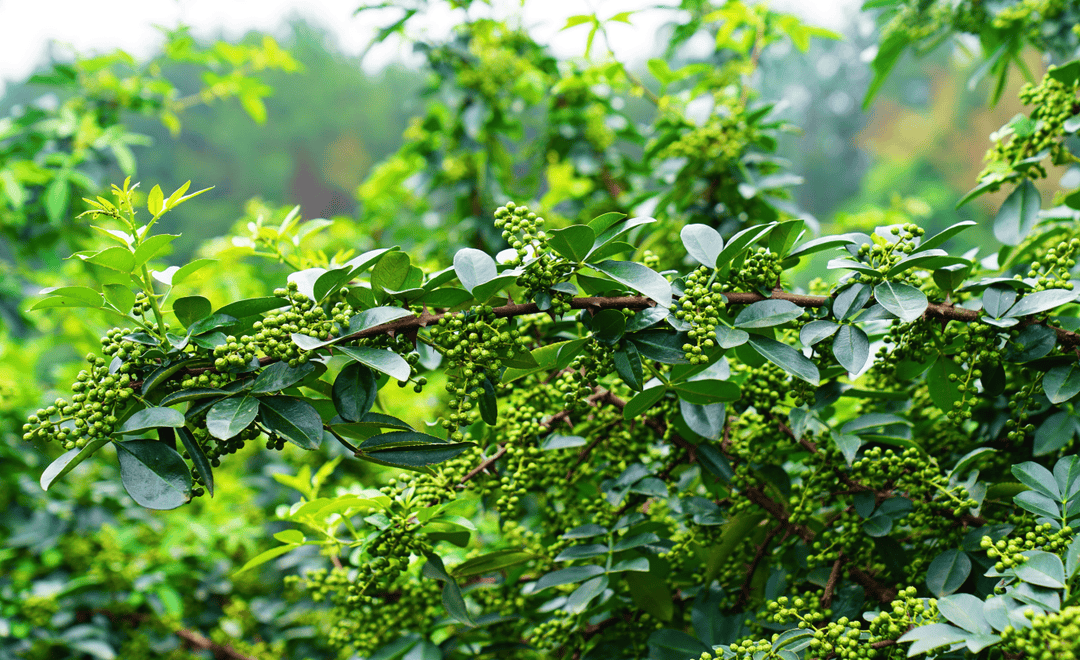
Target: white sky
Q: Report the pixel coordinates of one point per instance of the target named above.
(96, 26)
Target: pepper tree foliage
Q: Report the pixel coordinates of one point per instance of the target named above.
(649, 442)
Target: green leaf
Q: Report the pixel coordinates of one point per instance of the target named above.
(651, 593)
(707, 391)
(738, 244)
(191, 309)
(389, 273)
(492, 562)
(1037, 478)
(903, 300)
(585, 531)
(602, 223)
(768, 313)
(574, 242)
(1042, 569)
(151, 418)
(474, 267)
(567, 576)
(252, 306)
(153, 474)
(608, 325)
(816, 331)
(155, 201)
(585, 551)
(703, 243)
(728, 337)
(669, 644)
(1018, 214)
(851, 347)
(152, 247)
(452, 599)
(330, 281)
(369, 318)
(877, 525)
(820, 245)
(416, 457)
(938, 239)
(264, 557)
(948, 572)
(642, 401)
(184, 272)
(69, 296)
(292, 419)
(488, 403)
(888, 54)
(208, 323)
(660, 345)
(116, 258)
(69, 460)
(354, 391)
(1042, 301)
(705, 420)
(1054, 432)
(386, 361)
(229, 417)
(1062, 383)
(583, 595)
(198, 458)
(279, 376)
(965, 611)
(997, 300)
(787, 358)
(929, 637)
(628, 365)
(1039, 504)
(640, 278)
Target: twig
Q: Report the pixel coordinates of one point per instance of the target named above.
(744, 594)
(830, 585)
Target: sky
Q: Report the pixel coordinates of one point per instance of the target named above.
(29, 28)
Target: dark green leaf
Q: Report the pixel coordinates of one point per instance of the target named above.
(851, 347)
(416, 457)
(491, 562)
(229, 417)
(878, 525)
(705, 420)
(208, 323)
(573, 242)
(567, 576)
(390, 273)
(582, 551)
(1042, 569)
(279, 376)
(354, 391)
(292, 419)
(787, 358)
(703, 243)
(1018, 214)
(943, 392)
(452, 599)
(198, 458)
(330, 281)
(651, 593)
(608, 325)
(642, 401)
(669, 644)
(386, 361)
(904, 300)
(1039, 504)
(151, 418)
(1033, 342)
(948, 572)
(851, 300)
(660, 345)
(997, 300)
(768, 313)
(153, 474)
(585, 531)
(707, 391)
(252, 306)
(190, 309)
(640, 278)
(628, 365)
(1037, 478)
(583, 595)
(820, 245)
(194, 394)
(728, 337)
(488, 403)
(69, 460)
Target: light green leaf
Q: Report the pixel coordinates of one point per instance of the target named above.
(640, 278)
(903, 300)
(151, 418)
(768, 313)
(386, 361)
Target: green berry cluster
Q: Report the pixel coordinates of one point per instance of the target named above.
(1007, 553)
(882, 254)
(760, 271)
(1052, 269)
(1051, 636)
(273, 335)
(522, 229)
(700, 306)
(475, 343)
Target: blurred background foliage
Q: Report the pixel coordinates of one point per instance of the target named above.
(79, 567)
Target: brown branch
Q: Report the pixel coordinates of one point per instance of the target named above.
(830, 585)
(193, 639)
(874, 589)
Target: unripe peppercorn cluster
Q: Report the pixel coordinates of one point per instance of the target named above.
(700, 307)
(521, 228)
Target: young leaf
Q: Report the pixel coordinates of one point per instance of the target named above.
(573, 243)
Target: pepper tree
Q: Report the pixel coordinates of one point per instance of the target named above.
(647, 440)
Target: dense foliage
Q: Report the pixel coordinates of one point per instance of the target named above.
(618, 426)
